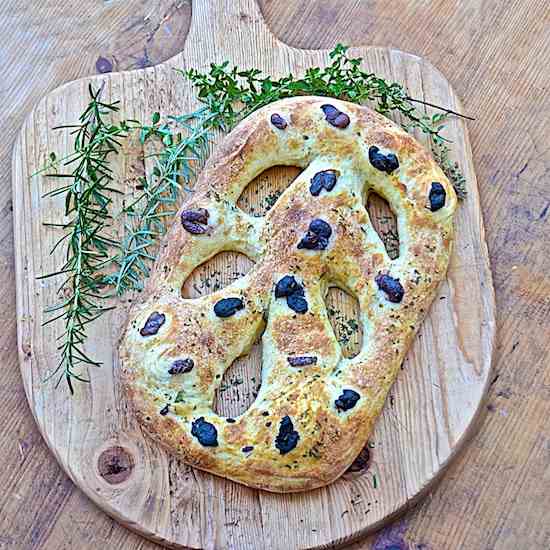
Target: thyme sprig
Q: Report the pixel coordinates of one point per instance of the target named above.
(231, 94)
(441, 152)
(87, 200)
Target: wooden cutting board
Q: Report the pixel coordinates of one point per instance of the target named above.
(432, 409)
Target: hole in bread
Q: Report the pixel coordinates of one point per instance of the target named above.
(240, 384)
(263, 191)
(218, 272)
(344, 316)
(384, 222)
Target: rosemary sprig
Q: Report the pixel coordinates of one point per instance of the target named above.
(175, 164)
(87, 202)
(232, 94)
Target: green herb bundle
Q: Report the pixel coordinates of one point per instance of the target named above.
(98, 266)
(87, 200)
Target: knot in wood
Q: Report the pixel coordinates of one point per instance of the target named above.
(115, 465)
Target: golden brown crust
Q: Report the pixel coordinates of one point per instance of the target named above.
(326, 435)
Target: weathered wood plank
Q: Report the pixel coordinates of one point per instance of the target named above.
(413, 440)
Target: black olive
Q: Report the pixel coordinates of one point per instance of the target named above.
(198, 215)
(265, 413)
(153, 324)
(385, 163)
(247, 449)
(323, 180)
(181, 366)
(437, 196)
(347, 400)
(194, 220)
(230, 420)
(320, 228)
(392, 287)
(164, 410)
(286, 286)
(296, 303)
(288, 437)
(311, 241)
(303, 361)
(335, 117)
(194, 228)
(330, 111)
(278, 121)
(228, 306)
(317, 236)
(341, 121)
(205, 432)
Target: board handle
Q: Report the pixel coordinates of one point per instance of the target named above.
(225, 29)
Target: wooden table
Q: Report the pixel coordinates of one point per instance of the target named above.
(497, 494)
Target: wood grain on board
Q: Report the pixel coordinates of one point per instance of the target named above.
(495, 495)
(433, 405)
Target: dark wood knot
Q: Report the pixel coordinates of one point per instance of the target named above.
(361, 462)
(115, 465)
(103, 65)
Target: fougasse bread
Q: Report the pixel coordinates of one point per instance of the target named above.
(316, 408)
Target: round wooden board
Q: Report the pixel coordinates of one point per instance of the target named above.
(433, 405)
